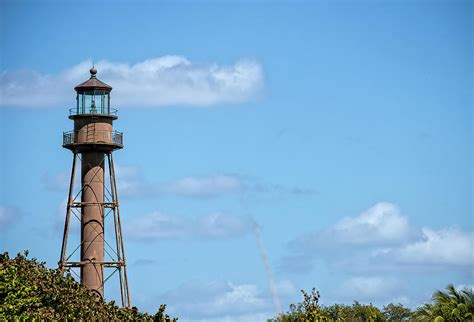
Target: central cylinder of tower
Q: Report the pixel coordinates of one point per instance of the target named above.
(92, 232)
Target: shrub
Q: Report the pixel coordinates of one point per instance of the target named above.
(29, 290)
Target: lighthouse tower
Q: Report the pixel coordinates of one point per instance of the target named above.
(93, 142)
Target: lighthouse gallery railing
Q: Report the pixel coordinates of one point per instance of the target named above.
(96, 136)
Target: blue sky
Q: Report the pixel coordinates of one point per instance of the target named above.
(343, 129)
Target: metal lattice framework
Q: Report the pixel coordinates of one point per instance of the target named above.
(110, 205)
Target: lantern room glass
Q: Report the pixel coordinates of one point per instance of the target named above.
(93, 102)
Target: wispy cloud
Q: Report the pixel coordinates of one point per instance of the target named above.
(157, 225)
(214, 185)
(133, 184)
(160, 81)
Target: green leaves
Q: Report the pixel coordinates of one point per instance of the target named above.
(29, 290)
(310, 310)
(449, 305)
(396, 312)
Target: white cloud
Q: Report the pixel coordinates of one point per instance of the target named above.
(8, 215)
(381, 223)
(432, 250)
(449, 246)
(215, 226)
(380, 239)
(218, 301)
(160, 81)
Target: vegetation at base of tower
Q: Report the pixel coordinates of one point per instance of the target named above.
(449, 305)
(29, 290)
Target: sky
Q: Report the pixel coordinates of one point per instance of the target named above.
(269, 146)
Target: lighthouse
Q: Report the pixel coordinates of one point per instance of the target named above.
(92, 143)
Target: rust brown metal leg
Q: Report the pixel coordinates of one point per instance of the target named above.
(124, 262)
(117, 242)
(68, 214)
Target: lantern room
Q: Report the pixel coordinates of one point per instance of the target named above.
(93, 97)
(93, 118)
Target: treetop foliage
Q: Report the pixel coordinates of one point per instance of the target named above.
(29, 290)
(449, 305)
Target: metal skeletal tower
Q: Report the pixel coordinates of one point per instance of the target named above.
(92, 142)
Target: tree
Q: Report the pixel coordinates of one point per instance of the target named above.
(310, 310)
(29, 290)
(449, 305)
(396, 312)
